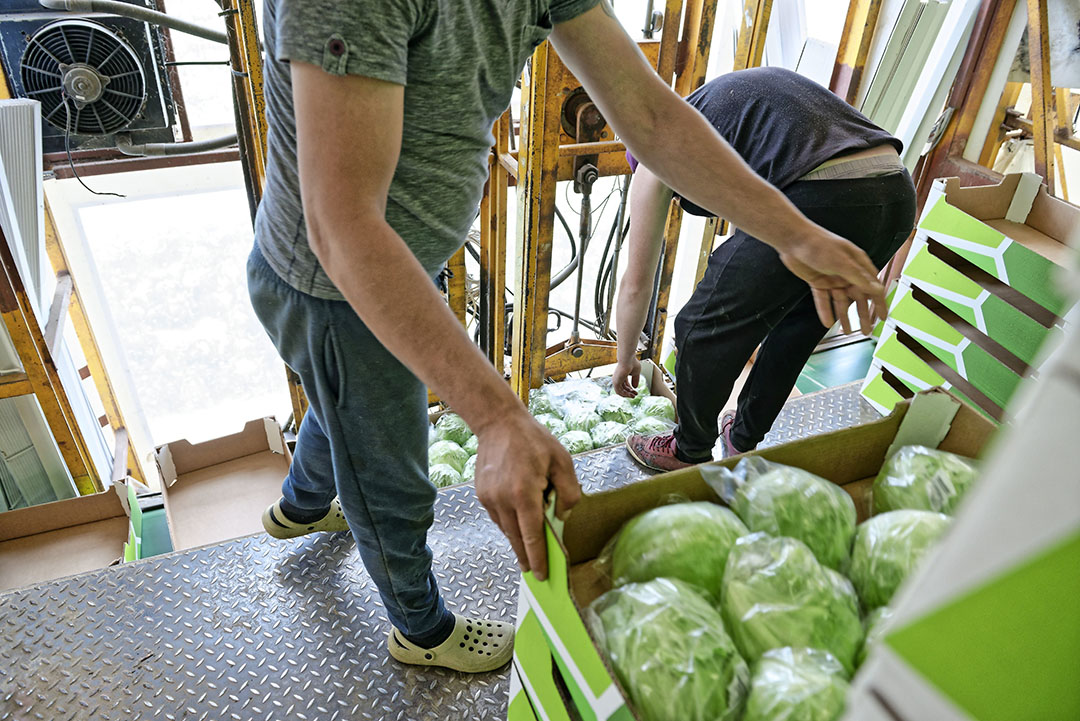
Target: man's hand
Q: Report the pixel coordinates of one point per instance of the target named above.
(839, 273)
(518, 459)
(625, 378)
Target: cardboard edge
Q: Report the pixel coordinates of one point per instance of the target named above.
(58, 515)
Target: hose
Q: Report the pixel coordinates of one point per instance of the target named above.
(125, 146)
(127, 10)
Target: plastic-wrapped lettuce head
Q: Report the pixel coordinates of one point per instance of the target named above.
(650, 425)
(432, 436)
(581, 419)
(875, 629)
(449, 453)
(670, 651)
(796, 684)
(776, 594)
(687, 541)
(615, 408)
(887, 548)
(642, 391)
(540, 402)
(451, 427)
(468, 473)
(553, 423)
(609, 433)
(657, 406)
(472, 445)
(443, 475)
(576, 441)
(787, 501)
(922, 479)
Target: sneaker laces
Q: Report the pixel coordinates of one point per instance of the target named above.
(663, 444)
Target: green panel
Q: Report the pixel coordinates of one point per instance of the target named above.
(836, 367)
(155, 533)
(892, 352)
(553, 596)
(880, 392)
(1034, 276)
(534, 659)
(129, 551)
(1018, 637)
(944, 218)
(520, 709)
(988, 375)
(913, 313)
(931, 269)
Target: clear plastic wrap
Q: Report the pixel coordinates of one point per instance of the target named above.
(553, 423)
(875, 624)
(609, 433)
(452, 427)
(686, 541)
(443, 475)
(922, 479)
(574, 394)
(642, 391)
(581, 419)
(651, 425)
(615, 408)
(468, 473)
(432, 436)
(449, 453)
(796, 684)
(776, 594)
(656, 406)
(540, 403)
(887, 548)
(576, 441)
(670, 651)
(787, 501)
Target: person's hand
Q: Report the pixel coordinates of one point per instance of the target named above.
(518, 459)
(839, 273)
(625, 378)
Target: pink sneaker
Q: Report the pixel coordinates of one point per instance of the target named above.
(727, 422)
(655, 452)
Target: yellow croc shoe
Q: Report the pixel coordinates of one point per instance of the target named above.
(474, 646)
(279, 526)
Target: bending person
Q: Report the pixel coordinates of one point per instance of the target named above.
(844, 173)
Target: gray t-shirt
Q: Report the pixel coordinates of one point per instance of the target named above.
(458, 60)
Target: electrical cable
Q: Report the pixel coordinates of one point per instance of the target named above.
(67, 149)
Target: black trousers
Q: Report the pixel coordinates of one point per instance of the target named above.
(749, 298)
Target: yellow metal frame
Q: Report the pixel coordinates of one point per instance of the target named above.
(545, 157)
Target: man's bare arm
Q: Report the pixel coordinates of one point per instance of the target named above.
(348, 141)
(682, 149)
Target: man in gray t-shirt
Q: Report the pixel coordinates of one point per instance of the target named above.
(379, 117)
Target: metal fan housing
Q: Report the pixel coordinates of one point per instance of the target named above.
(88, 79)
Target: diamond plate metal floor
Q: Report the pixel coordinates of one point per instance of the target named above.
(255, 629)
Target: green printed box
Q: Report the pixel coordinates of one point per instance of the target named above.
(997, 377)
(562, 671)
(1015, 231)
(1017, 331)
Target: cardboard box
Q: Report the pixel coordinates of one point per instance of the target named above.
(978, 297)
(1015, 231)
(518, 708)
(64, 538)
(217, 490)
(562, 670)
(988, 629)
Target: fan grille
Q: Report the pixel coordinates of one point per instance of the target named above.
(87, 44)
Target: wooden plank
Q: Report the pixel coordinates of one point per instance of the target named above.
(88, 342)
(858, 35)
(456, 292)
(539, 151)
(1041, 92)
(29, 342)
(58, 311)
(14, 384)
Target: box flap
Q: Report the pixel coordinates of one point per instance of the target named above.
(1026, 190)
(179, 457)
(54, 516)
(927, 422)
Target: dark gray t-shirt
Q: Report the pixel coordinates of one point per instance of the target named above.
(458, 60)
